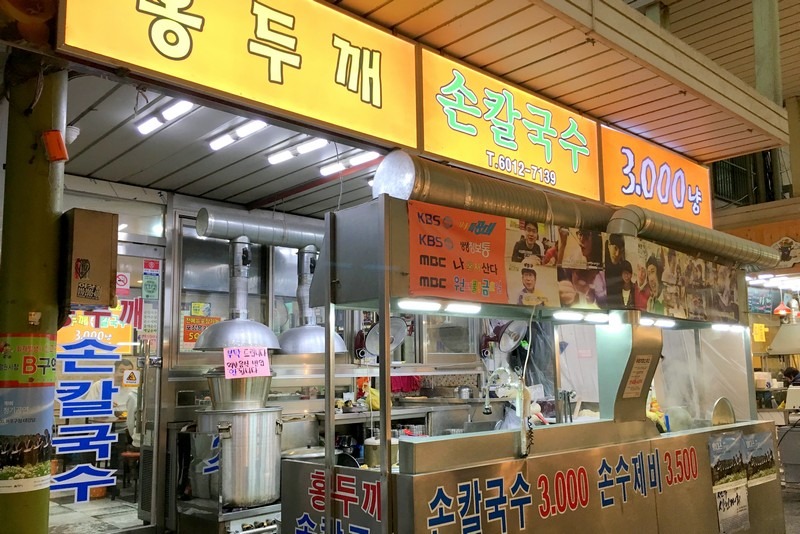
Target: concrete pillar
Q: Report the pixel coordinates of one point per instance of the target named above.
(766, 45)
(29, 274)
(793, 109)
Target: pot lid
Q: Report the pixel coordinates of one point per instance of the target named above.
(307, 452)
(308, 339)
(236, 333)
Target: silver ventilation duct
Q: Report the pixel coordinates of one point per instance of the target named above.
(407, 177)
(238, 331)
(263, 227)
(308, 338)
(636, 221)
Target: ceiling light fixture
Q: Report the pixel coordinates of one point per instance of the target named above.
(221, 142)
(460, 307)
(567, 316)
(249, 128)
(150, 125)
(280, 157)
(181, 107)
(665, 323)
(596, 317)
(419, 305)
(312, 145)
(363, 158)
(121, 227)
(333, 168)
(646, 321)
(766, 276)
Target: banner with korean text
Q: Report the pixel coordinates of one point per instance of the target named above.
(473, 118)
(301, 57)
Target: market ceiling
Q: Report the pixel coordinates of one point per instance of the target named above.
(582, 60)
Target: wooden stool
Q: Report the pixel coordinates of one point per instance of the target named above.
(130, 462)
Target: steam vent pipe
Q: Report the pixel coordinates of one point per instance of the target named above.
(636, 221)
(408, 177)
(263, 227)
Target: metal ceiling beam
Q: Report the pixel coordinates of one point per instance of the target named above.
(311, 184)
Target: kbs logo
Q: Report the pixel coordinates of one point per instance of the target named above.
(482, 228)
(433, 261)
(432, 281)
(435, 241)
(434, 220)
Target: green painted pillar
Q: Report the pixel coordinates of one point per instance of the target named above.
(29, 286)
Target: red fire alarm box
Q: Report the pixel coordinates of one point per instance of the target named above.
(90, 258)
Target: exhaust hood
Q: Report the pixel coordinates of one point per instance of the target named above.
(308, 338)
(787, 340)
(238, 331)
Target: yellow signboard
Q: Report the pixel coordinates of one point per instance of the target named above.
(759, 332)
(105, 326)
(297, 56)
(475, 119)
(647, 175)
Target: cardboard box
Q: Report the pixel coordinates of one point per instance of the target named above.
(91, 258)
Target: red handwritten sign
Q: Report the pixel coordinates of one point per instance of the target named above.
(244, 362)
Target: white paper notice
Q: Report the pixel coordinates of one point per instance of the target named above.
(635, 383)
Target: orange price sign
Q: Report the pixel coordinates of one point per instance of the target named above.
(193, 326)
(647, 175)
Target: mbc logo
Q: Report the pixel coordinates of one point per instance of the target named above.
(432, 281)
(433, 261)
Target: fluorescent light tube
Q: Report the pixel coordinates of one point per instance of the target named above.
(419, 305)
(327, 170)
(279, 157)
(181, 107)
(596, 317)
(456, 307)
(363, 158)
(150, 125)
(121, 227)
(720, 327)
(646, 321)
(312, 145)
(249, 128)
(567, 316)
(221, 142)
(665, 323)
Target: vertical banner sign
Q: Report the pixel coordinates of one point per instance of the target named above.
(151, 271)
(476, 119)
(27, 376)
(456, 254)
(729, 467)
(302, 58)
(644, 174)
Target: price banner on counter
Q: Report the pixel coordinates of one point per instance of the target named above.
(644, 174)
(456, 254)
(244, 362)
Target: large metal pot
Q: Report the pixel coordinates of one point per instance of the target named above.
(250, 455)
(238, 393)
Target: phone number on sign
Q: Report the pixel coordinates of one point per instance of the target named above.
(517, 167)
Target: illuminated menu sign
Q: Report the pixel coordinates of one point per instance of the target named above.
(644, 174)
(300, 57)
(476, 119)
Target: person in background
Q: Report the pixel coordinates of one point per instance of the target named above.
(120, 399)
(792, 376)
(528, 244)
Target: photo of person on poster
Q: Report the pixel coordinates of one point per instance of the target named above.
(582, 288)
(723, 296)
(613, 261)
(650, 295)
(528, 296)
(581, 249)
(627, 290)
(528, 244)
